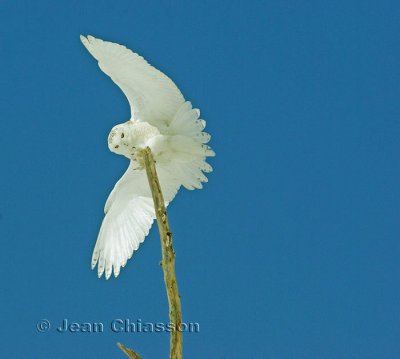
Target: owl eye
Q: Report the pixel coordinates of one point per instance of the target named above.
(122, 135)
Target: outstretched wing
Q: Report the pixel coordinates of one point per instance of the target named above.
(129, 214)
(153, 96)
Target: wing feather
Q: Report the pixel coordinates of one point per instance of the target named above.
(152, 95)
(129, 217)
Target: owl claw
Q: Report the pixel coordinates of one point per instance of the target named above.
(138, 159)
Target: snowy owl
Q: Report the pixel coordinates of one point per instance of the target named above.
(160, 119)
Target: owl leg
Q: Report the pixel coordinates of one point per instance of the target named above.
(137, 158)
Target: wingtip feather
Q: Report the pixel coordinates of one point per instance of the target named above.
(84, 40)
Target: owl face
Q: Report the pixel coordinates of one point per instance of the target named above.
(119, 139)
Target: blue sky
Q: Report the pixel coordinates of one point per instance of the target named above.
(290, 251)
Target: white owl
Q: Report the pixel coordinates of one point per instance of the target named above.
(160, 119)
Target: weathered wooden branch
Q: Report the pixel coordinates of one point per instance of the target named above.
(168, 258)
(129, 352)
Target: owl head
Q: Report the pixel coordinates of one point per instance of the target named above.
(119, 139)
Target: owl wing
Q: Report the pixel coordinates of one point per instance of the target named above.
(129, 214)
(153, 96)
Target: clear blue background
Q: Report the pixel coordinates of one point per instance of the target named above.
(291, 250)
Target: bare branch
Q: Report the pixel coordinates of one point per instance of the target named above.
(129, 352)
(168, 256)
(167, 262)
